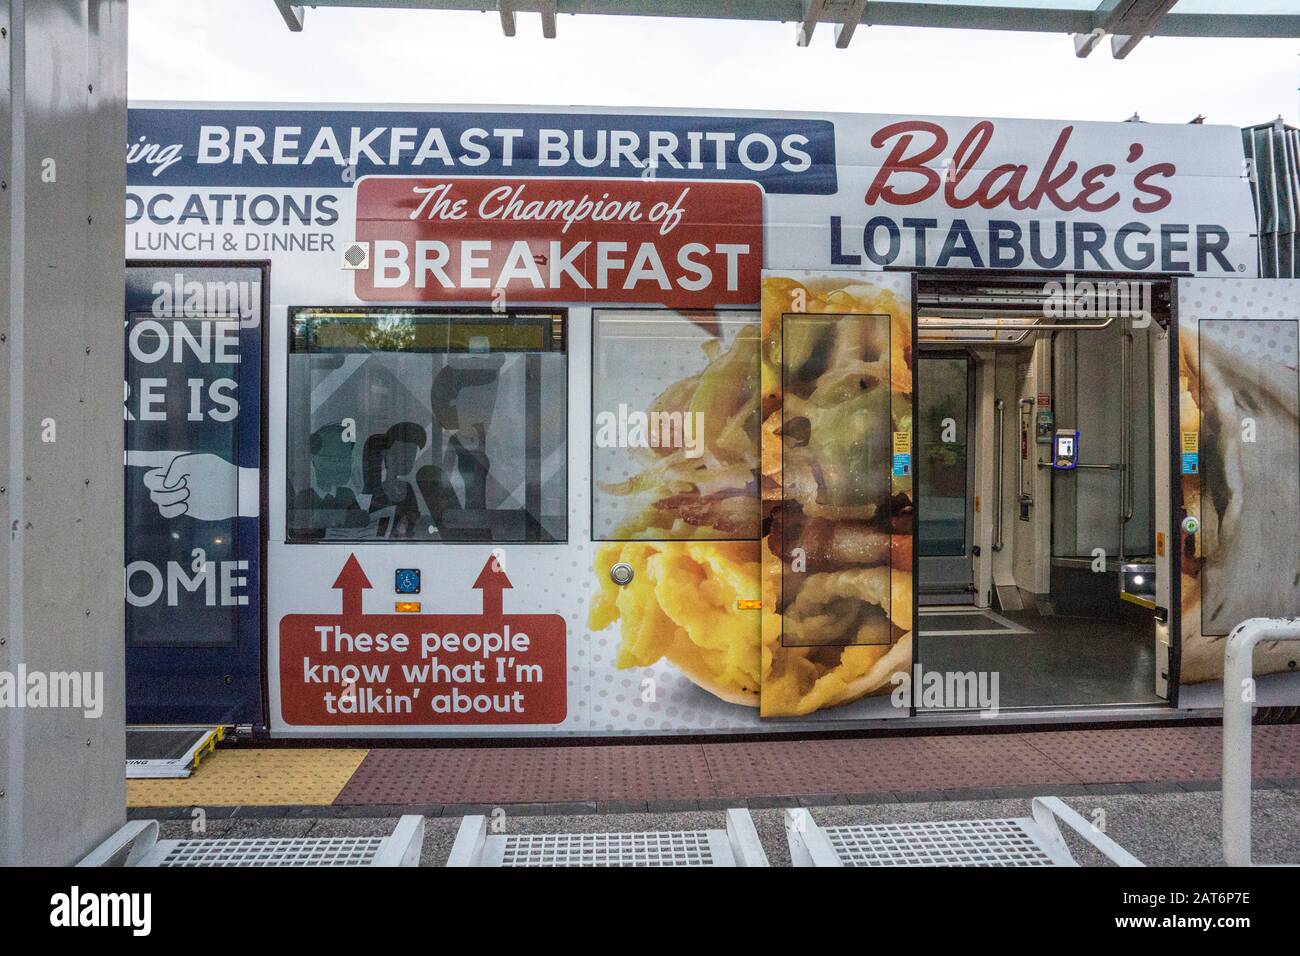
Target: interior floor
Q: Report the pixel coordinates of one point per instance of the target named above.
(1042, 661)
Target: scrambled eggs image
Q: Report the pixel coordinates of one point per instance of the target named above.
(683, 606)
(796, 456)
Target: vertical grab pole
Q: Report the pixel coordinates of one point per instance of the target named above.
(1026, 422)
(999, 406)
(1237, 710)
(1125, 437)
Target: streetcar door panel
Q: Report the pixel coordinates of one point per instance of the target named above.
(193, 493)
(837, 495)
(1238, 457)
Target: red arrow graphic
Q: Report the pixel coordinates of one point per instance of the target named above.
(492, 581)
(352, 581)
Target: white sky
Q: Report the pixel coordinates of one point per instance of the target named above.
(241, 50)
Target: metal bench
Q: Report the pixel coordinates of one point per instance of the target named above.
(137, 844)
(1238, 708)
(738, 845)
(1020, 841)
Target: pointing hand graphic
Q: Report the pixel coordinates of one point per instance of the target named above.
(200, 485)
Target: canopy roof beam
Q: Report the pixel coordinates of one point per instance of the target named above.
(1127, 22)
(293, 14)
(1133, 19)
(508, 8)
(846, 14)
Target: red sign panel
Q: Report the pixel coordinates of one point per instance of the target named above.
(400, 669)
(667, 242)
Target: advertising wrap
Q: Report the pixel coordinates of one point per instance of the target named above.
(600, 421)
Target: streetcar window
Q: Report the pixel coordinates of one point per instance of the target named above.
(675, 420)
(412, 424)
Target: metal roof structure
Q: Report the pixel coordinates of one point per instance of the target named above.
(1273, 158)
(1125, 22)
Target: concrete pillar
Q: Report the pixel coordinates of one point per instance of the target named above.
(62, 139)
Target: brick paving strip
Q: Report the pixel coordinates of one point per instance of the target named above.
(666, 777)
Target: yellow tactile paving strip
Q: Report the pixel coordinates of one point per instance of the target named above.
(254, 778)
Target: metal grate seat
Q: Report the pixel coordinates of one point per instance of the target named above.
(738, 845)
(952, 843)
(137, 844)
(1022, 841)
(337, 851)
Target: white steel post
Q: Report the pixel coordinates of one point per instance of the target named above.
(62, 246)
(1237, 711)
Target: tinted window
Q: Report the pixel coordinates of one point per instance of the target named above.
(410, 424)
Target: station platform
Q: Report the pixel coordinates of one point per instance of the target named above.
(464, 777)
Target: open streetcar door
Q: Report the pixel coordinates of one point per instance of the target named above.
(1238, 461)
(837, 494)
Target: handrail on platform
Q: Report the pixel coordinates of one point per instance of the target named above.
(1238, 701)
